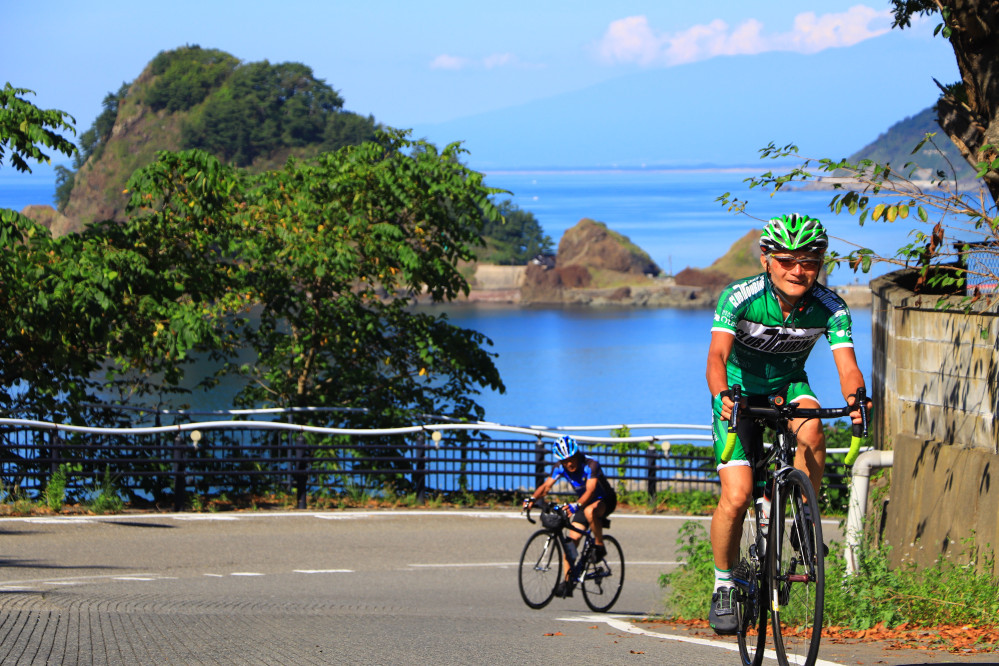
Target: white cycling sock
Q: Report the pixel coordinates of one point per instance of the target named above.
(723, 578)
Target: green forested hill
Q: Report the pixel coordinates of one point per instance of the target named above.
(895, 145)
(252, 115)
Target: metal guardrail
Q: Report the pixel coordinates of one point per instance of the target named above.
(166, 463)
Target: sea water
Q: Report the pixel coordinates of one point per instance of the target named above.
(586, 367)
(577, 366)
(675, 215)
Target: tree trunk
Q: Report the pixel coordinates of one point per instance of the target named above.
(970, 116)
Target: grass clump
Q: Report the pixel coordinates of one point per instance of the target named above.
(689, 586)
(946, 593)
(104, 497)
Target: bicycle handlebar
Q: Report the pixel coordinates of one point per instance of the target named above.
(792, 410)
(541, 504)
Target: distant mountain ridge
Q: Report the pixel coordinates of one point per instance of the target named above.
(894, 146)
(697, 114)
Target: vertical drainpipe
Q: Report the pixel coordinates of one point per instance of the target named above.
(858, 501)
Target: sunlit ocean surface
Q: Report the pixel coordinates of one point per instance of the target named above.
(599, 367)
(605, 367)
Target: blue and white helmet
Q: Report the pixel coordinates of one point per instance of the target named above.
(564, 447)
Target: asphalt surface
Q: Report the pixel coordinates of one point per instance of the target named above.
(352, 587)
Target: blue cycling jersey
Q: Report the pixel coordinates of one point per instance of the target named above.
(590, 469)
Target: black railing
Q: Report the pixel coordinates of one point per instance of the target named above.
(248, 458)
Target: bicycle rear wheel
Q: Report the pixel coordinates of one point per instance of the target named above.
(602, 580)
(751, 584)
(796, 572)
(540, 568)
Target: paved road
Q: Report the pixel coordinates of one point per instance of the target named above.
(407, 587)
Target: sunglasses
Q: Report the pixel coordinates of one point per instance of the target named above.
(787, 262)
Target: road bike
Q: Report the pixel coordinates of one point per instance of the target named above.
(541, 562)
(780, 569)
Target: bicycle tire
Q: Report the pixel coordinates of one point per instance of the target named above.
(796, 575)
(750, 578)
(602, 581)
(540, 568)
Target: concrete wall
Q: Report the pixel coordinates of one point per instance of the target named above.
(936, 388)
(940, 496)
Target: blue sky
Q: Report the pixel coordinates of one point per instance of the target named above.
(414, 63)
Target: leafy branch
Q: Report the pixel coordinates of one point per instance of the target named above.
(949, 224)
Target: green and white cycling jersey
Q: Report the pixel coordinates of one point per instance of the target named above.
(770, 350)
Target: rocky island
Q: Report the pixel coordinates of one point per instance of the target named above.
(598, 267)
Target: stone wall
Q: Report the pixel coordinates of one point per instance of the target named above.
(936, 388)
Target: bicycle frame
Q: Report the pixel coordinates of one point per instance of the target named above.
(600, 580)
(793, 577)
(576, 567)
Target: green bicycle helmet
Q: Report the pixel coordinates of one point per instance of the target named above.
(793, 232)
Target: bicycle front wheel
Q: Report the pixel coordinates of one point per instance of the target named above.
(796, 571)
(540, 568)
(602, 580)
(750, 581)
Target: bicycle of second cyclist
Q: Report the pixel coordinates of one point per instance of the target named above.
(778, 571)
(541, 562)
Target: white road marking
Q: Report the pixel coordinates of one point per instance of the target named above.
(465, 565)
(623, 625)
(246, 573)
(203, 516)
(75, 580)
(345, 516)
(506, 565)
(153, 577)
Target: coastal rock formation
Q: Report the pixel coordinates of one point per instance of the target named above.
(592, 245)
(592, 262)
(741, 260)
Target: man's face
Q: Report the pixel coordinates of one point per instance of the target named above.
(793, 272)
(571, 464)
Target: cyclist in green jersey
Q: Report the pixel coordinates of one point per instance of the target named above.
(764, 328)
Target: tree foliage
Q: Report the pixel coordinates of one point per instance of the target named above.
(337, 253)
(949, 225)
(25, 129)
(515, 239)
(247, 114)
(92, 141)
(309, 272)
(262, 108)
(185, 77)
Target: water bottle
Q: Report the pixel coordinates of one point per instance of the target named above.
(763, 511)
(571, 552)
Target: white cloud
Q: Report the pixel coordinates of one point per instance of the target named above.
(445, 61)
(492, 61)
(499, 60)
(633, 40)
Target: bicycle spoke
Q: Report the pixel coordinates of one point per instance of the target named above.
(602, 580)
(749, 580)
(797, 576)
(540, 569)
